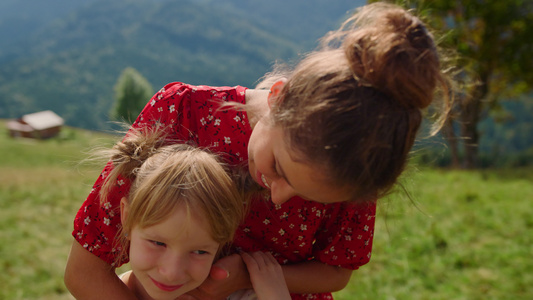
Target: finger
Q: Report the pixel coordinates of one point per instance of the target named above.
(218, 273)
(270, 259)
(250, 261)
(259, 258)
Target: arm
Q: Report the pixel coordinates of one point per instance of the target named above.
(89, 277)
(303, 278)
(315, 277)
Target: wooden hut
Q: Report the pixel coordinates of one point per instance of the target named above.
(39, 125)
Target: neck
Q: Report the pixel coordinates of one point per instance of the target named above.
(257, 105)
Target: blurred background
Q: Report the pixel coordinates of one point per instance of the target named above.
(460, 226)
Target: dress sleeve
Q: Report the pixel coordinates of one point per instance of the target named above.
(97, 222)
(347, 234)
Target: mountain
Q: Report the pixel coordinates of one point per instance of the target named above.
(66, 56)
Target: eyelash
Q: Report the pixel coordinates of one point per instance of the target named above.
(274, 167)
(160, 244)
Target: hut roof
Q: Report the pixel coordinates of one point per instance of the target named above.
(43, 120)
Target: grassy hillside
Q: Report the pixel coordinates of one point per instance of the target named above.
(462, 235)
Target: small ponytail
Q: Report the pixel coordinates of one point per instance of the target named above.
(128, 155)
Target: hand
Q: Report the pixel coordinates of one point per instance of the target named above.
(229, 274)
(266, 276)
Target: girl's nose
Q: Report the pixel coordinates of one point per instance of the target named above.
(281, 191)
(173, 268)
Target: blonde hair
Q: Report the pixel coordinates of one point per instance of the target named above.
(354, 106)
(165, 176)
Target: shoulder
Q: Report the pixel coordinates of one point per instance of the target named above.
(181, 90)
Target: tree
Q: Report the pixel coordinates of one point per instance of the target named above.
(132, 91)
(494, 43)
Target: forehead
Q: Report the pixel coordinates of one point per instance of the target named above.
(181, 224)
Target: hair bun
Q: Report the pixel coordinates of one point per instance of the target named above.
(392, 51)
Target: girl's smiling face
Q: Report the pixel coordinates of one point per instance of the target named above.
(174, 256)
(273, 165)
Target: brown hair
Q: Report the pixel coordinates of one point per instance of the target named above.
(355, 105)
(165, 176)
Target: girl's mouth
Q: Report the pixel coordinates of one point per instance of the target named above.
(166, 288)
(263, 180)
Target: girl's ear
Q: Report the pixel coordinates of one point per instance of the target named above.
(275, 91)
(124, 206)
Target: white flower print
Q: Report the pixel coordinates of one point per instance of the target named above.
(281, 232)
(87, 221)
(202, 120)
(172, 108)
(153, 102)
(365, 228)
(107, 221)
(303, 227)
(237, 118)
(217, 122)
(227, 140)
(266, 221)
(159, 109)
(120, 182)
(107, 205)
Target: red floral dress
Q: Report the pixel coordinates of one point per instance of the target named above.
(338, 234)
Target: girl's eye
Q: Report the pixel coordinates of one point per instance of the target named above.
(158, 243)
(275, 167)
(200, 252)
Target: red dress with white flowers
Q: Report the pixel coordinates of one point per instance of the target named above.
(338, 234)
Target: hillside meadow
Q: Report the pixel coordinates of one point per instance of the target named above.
(458, 235)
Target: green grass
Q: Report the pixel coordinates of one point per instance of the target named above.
(462, 235)
(42, 185)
